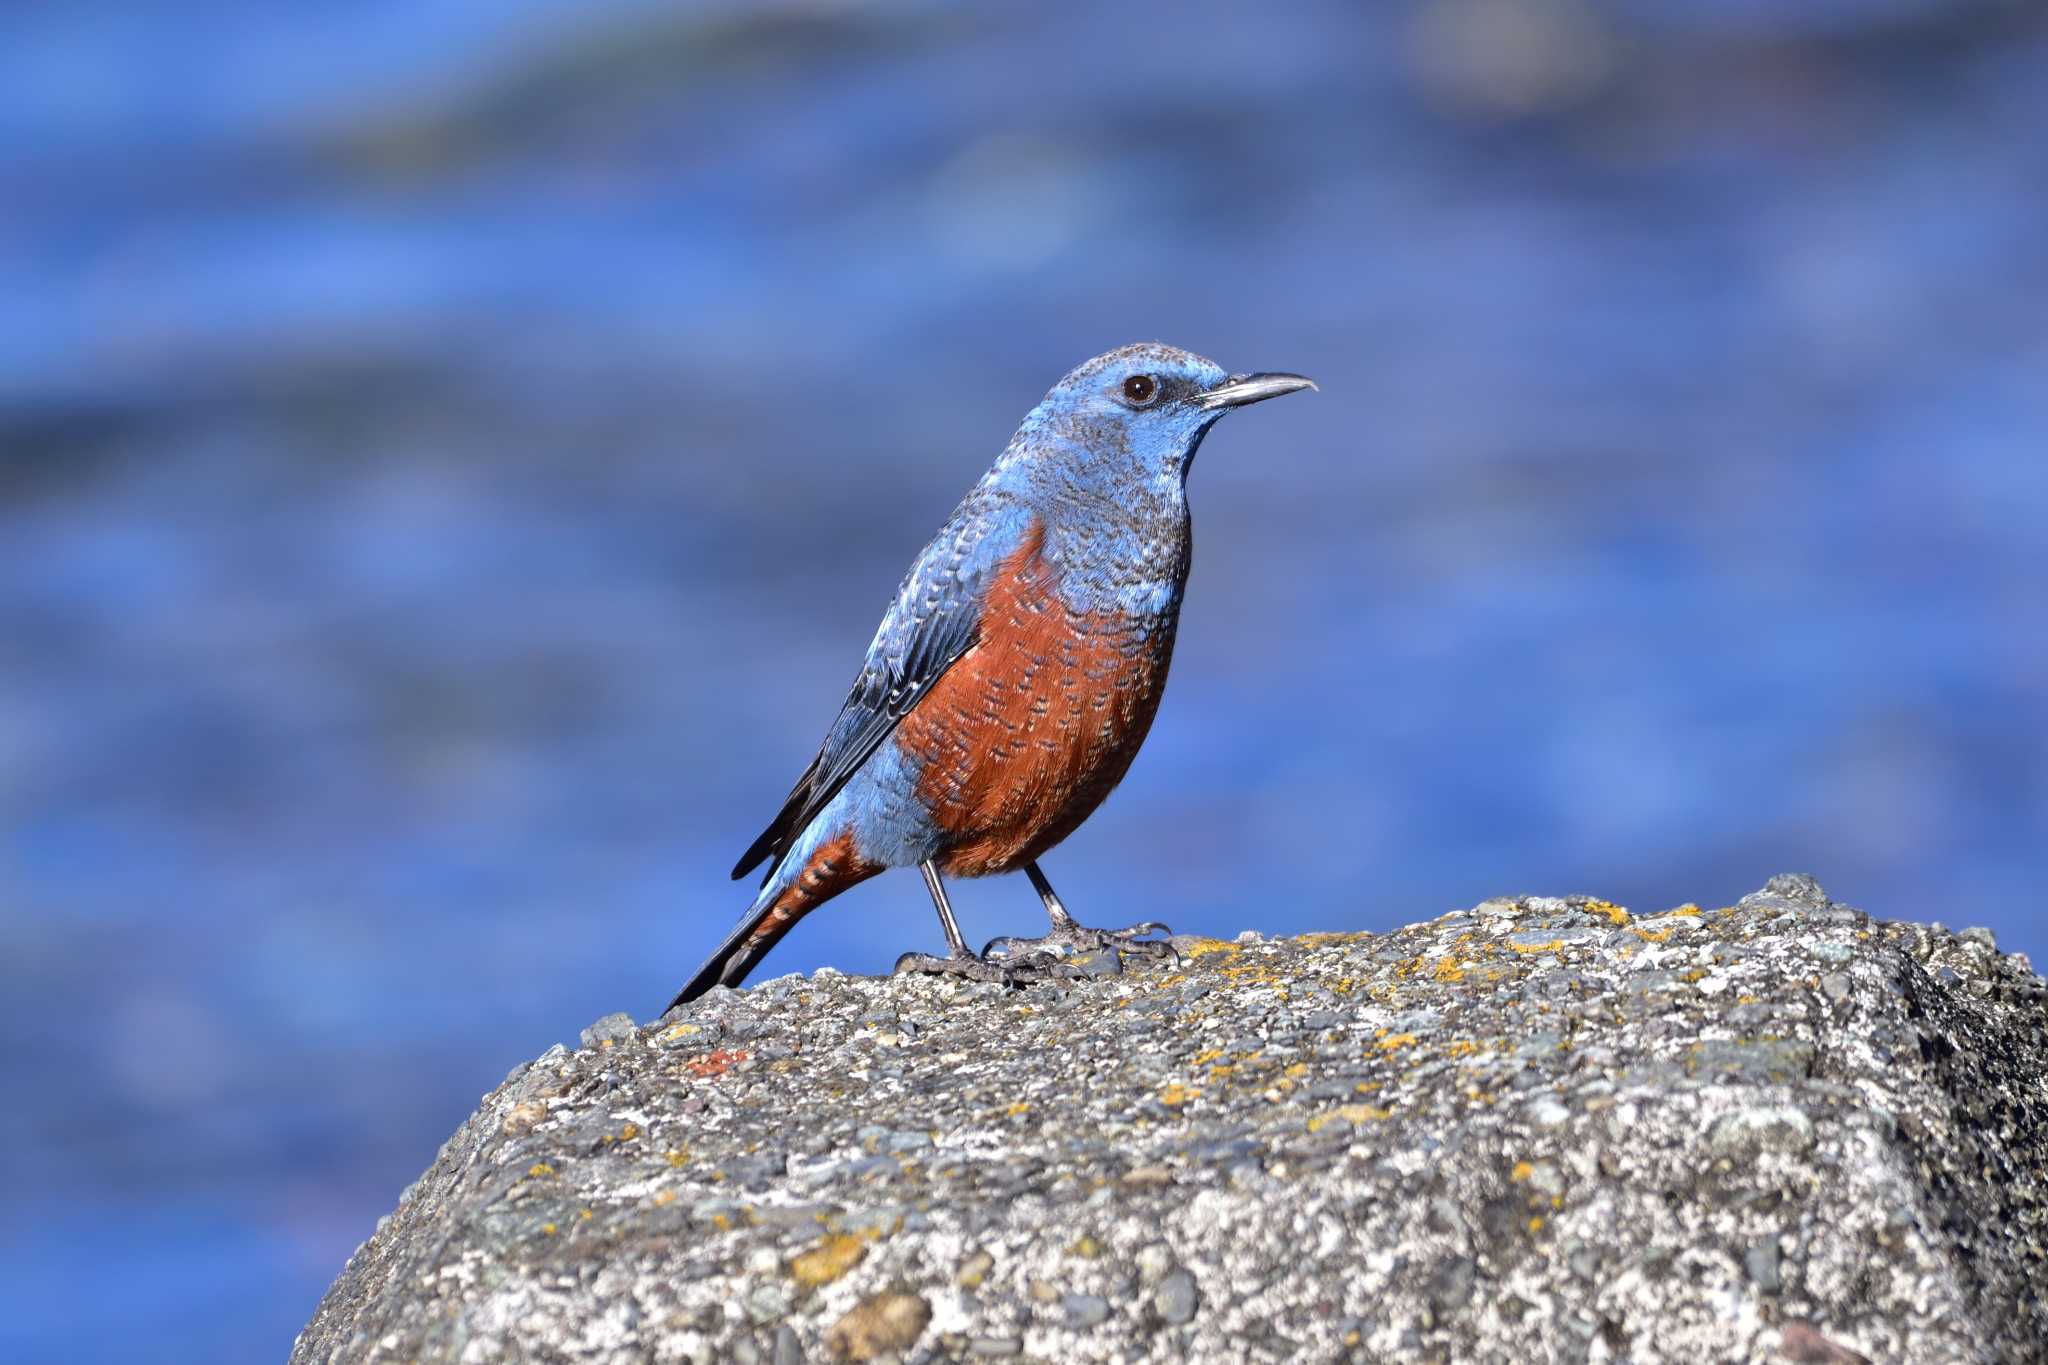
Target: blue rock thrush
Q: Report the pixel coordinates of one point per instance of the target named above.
(1014, 675)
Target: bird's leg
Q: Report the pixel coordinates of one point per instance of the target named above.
(956, 942)
(960, 959)
(1069, 935)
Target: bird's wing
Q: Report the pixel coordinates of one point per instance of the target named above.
(934, 619)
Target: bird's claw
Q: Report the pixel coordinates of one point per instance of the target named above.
(1024, 971)
(1073, 939)
(1138, 939)
(1018, 962)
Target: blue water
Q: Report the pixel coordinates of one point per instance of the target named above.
(453, 456)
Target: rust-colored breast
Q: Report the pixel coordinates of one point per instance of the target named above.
(1026, 734)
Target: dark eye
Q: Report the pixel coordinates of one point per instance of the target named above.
(1140, 389)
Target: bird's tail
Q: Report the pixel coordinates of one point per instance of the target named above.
(758, 930)
(811, 874)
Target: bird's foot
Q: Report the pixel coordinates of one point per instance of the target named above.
(1021, 972)
(1075, 940)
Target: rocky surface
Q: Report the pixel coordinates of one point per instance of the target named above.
(1537, 1129)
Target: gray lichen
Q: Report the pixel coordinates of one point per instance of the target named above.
(1541, 1128)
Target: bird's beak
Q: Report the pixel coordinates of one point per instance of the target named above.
(1241, 389)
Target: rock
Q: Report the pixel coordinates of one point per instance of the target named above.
(1802, 1342)
(1801, 887)
(1762, 1262)
(1154, 1261)
(1761, 1128)
(1177, 1298)
(1677, 1136)
(974, 1270)
(1099, 962)
(884, 1322)
(610, 1029)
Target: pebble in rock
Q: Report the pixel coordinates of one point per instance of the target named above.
(1177, 1298)
(889, 1321)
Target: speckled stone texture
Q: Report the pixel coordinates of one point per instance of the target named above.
(1538, 1129)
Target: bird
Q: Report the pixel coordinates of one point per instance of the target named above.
(1015, 673)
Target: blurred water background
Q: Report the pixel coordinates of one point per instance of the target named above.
(453, 455)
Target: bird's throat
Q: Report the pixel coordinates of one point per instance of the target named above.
(1123, 558)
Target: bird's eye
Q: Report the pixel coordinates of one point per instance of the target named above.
(1140, 389)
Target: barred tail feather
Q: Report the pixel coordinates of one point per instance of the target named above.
(747, 944)
(813, 873)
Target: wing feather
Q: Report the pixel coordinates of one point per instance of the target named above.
(934, 618)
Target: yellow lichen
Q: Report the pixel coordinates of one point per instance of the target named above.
(1394, 1042)
(1177, 1094)
(1353, 1114)
(539, 1169)
(1523, 1170)
(1552, 946)
(1202, 947)
(1609, 909)
(679, 1156)
(834, 1255)
(869, 1231)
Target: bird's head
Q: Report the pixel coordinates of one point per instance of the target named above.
(1138, 413)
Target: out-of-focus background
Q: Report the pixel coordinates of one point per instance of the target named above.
(453, 455)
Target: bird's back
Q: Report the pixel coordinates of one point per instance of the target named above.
(933, 619)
